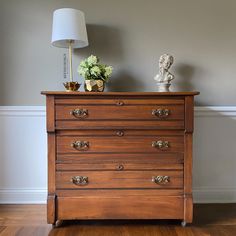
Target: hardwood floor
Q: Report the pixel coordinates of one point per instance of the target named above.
(30, 220)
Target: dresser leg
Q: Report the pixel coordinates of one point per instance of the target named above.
(188, 209)
(183, 223)
(51, 216)
(58, 223)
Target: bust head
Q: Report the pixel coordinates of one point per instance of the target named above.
(165, 61)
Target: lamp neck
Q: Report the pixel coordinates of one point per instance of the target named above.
(70, 59)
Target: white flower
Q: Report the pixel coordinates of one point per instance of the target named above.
(92, 60)
(82, 71)
(82, 64)
(95, 71)
(108, 71)
(90, 68)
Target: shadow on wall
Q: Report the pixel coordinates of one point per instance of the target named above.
(104, 42)
(124, 82)
(184, 74)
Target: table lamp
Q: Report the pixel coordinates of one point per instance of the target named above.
(69, 31)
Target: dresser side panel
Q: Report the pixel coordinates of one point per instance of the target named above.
(189, 113)
(51, 199)
(188, 149)
(50, 113)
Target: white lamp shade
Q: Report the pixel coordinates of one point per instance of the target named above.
(69, 24)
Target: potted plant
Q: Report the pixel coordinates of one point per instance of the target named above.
(94, 73)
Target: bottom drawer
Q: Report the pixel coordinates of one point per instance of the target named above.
(158, 179)
(120, 207)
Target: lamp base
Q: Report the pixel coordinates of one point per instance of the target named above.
(71, 86)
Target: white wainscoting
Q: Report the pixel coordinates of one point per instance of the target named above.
(23, 164)
(214, 159)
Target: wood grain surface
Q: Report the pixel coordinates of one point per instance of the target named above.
(161, 158)
(116, 165)
(119, 124)
(90, 207)
(113, 101)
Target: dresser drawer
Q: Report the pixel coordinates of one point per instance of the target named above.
(77, 144)
(116, 206)
(124, 112)
(119, 179)
(75, 113)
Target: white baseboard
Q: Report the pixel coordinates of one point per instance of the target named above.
(214, 195)
(213, 159)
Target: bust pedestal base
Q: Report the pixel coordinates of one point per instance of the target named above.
(162, 87)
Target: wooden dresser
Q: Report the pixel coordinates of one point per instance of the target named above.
(120, 155)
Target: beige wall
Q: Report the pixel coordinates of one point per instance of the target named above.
(128, 34)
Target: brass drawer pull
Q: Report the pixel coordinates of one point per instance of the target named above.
(80, 180)
(120, 167)
(160, 144)
(120, 133)
(81, 145)
(120, 103)
(79, 113)
(160, 179)
(161, 113)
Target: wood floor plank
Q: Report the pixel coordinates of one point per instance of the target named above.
(2, 228)
(30, 220)
(26, 231)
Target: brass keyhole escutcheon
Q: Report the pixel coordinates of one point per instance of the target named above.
(120, 133)
(120, 167)
(119, 103)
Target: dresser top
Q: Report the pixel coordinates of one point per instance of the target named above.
(64, 93)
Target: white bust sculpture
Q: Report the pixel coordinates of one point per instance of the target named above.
(164, 77)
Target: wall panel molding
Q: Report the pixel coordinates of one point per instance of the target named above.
(27, 111)
(214, 154)
(217, 111)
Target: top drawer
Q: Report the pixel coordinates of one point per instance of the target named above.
(119, 109)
